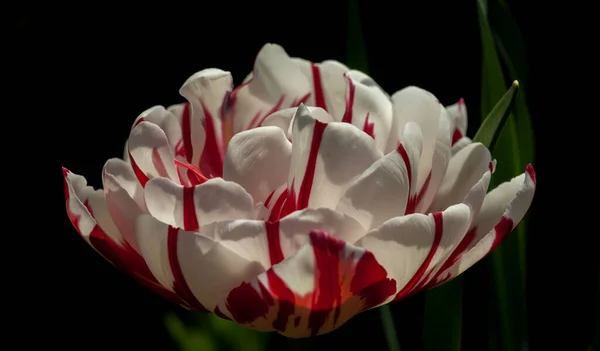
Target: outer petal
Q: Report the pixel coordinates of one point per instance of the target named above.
(369, 109)
(124, 197)
(502, 210)
(276, 83)
(383, 191)
(464, 170)
(200, 270)
(150, 153)
(165, 120)
(313, 292)
(89, 215)
(326, 159)
(258, 160)
(191, 207)
(409, 247)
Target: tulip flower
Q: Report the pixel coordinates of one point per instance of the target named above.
(298, 199)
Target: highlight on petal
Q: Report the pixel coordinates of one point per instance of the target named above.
(276, 83)
(150, 153)
(385, 189)
(464, 170)
(326, 159)
(191, 207)
(313, 292)
(413, 104)
(206, 126)
(258, 160)
(369, 109)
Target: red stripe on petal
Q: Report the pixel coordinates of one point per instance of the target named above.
(274, 242)
(186, 132)
(309, 175)
(370, 282)
(179, 284)
(190, 221)
(439, 231)
(347, 118)
(211, 161)
(504, 226)
(139, 174)
(456, 136)
(318, 87)
(411, 205)
(328, 292)
(369, 127)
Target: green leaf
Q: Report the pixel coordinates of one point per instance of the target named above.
(513, 150)
(493, 124)
(443, 317)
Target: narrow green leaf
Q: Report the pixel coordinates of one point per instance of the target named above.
(493, 124)
(443, 317)
(513, 150)
(389, 328)
(356, 52)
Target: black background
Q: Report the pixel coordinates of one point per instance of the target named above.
(85, 71)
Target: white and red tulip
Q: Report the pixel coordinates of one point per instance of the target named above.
(249, 204)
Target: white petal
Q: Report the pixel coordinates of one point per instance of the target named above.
(124, 197)
(209, 127)
(191, 207)
(150, 153)
(464, 170)
(369, 109)
(502, 210)
(165, 120)
(276, 83)
(458, 114)
(409, 247)
(326, 159)
(258, 160)
(328, 85)
(383, 191)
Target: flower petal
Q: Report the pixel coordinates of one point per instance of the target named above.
(150, 153)
(383, 191)
(258, 160)
(410, 246)
(502, 210)
(124, 198)
(194, 206)
(458, 114)
(206, 128)
(328, 85)
(369, 109)
(271, 242)
(83, 204)
(276, 83)
(165, 120)
(313, 292)
(420, 106)
(326, 159)
(464, 170)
